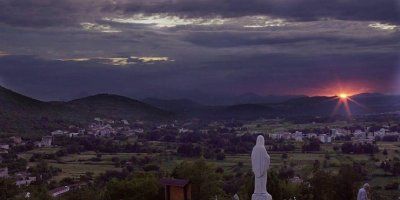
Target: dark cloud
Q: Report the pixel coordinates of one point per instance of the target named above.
(42, 13)
(302, 10)
(55, 80)
(238, 39)
(230, 74)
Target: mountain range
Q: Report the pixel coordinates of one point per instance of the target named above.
(19, 113)
(22, 113)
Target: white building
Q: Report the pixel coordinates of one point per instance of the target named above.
(71, 135)
(381, 133)
(275, 136)
(138, 130)
(297, 136)
(24, 179)
(324, 138)
(183, 130)
(57, 132)
(5, 146)
(360, 134)
(296, 180)
(45, 142)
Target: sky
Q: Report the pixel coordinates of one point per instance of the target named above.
(66, 49)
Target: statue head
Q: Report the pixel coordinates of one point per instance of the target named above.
(260, 140)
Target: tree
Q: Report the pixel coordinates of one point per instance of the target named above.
(45, 171)
(312, 145)
(322, 186)
(286, 172)
(247, 188)
(139, 187)
(189, 150)
(396, 168)
(40, 192)
(84, 194)
(220, 156)
(206, 183)
(8, 189)
(280, 189)
(151, 167)
(347, 182)
(385, 153)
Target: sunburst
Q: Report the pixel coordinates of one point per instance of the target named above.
(343, 100)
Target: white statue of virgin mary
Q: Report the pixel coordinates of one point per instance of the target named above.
(260, 162)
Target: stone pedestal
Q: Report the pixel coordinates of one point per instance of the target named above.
(264, 196)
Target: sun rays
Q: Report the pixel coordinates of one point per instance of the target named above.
(344, 99)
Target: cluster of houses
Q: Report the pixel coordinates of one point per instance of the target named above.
(358, 136)
(25, 179)
(45, 142)
(13, 141)
(194, 125)
(21, 178)
(98, 128)
(367, 136)
(300, 136)
(107, 127)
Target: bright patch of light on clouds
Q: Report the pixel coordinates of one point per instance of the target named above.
(75, 59)
(116, 61)
(264, 21)
(2, 53)
(380, 26)
(151, 59)
(99, 28)
(120, 61)
(166, 21)
(169, 21)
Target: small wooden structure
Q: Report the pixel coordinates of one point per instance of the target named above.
(177, 189)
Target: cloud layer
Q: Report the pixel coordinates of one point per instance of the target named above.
(303, 10)
(167, 48)
(43, 13)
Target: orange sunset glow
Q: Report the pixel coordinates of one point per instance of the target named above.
(341, 89)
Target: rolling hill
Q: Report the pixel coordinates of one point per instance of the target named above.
(22, 114)
(115, 106)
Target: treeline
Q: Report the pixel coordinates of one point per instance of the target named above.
(391, 166)
(311, 145)
(367, 148)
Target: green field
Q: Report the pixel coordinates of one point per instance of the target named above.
(78, 164)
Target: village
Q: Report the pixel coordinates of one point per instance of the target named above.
(144, 131)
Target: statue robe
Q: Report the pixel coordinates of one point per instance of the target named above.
(260, 161)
